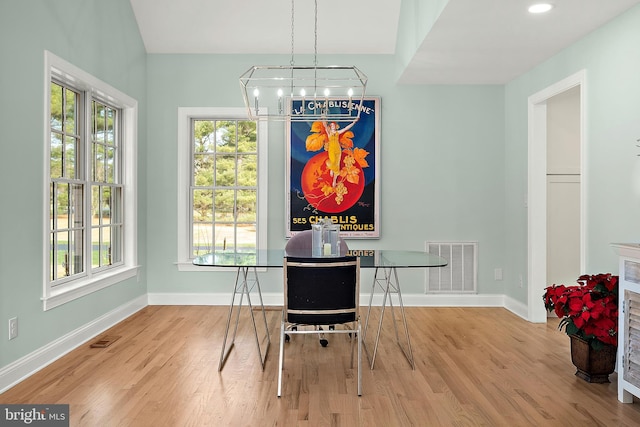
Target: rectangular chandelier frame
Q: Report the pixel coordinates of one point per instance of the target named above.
(267, 89)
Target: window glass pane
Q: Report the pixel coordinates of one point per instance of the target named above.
(55, 164)
(248, 170)
(116, 205)
(202, 238)
(203, 170)
(56, 107)
(226, 136)
(224, 204)
(204, 137)
(76, 219)
(95, 205)
(62, 205)
(105, 246)
(70, 157)
(247, 237)
(116, 244)
(99, 124)
(109, 126)
(62, 246)
(225, 170)
(224, 237)
(109, 167)
(246, 206)
(95, 247)
(70, 112)
(247, 137)
(202, 205)
(99, 175)
(76, 249)
(105, 205)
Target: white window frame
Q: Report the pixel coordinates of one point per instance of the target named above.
(185, 116)
(92, 281)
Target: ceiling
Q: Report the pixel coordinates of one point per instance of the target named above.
(471, 42)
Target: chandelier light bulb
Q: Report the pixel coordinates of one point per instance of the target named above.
(280, 109)
(256, 92)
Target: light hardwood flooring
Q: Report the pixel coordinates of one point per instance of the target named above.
(474, 367)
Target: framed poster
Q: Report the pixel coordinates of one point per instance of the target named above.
(333, 171)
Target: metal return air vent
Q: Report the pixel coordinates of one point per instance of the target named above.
(460, 273)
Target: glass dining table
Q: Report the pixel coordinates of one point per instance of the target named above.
(385, 262)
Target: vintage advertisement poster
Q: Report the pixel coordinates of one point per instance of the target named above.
(333, 171)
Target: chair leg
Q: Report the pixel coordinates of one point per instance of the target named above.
(352, 344)
(281, 358)
(323, 341)
(359, 359)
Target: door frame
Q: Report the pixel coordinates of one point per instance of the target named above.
(537, 190)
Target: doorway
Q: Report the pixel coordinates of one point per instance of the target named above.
(563, 187)
(553, 179)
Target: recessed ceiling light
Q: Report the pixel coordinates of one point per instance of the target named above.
(540, 8)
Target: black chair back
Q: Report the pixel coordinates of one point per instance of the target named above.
(321, 291)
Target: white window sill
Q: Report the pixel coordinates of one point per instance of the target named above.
(63, 294)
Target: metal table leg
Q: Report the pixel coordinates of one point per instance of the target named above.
(389, 284)
(242, 287)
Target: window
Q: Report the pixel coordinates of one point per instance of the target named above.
(222, 171)
(90, 151)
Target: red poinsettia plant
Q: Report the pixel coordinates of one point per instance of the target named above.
(588, 310)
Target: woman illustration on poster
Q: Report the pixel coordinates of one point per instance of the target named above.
(333, 147)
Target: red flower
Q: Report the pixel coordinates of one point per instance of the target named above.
(589, 310)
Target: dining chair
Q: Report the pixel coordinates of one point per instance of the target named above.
(300, 245)
(321, 291)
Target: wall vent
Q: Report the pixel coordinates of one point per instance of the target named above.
(460, 273)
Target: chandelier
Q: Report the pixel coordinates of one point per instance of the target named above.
(304, 93)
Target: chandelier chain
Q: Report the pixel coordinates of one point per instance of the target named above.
(292, 11)
(315, 35)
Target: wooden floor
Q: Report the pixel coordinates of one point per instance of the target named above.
(474, 367)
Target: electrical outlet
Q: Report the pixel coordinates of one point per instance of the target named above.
(497, 274)
(13, 328)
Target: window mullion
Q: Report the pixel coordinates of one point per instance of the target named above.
(86, 176)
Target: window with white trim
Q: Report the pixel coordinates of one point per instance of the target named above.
(222, 182)
(90, 148)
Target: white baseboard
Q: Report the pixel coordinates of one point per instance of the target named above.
(516, 307)
(222, 298)
(26, 366)
(276, 299)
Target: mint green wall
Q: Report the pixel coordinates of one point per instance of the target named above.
(114, 54)
(612, 170)
(453, 158)
(442, 164)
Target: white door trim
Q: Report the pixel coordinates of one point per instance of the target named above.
(537, 190)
